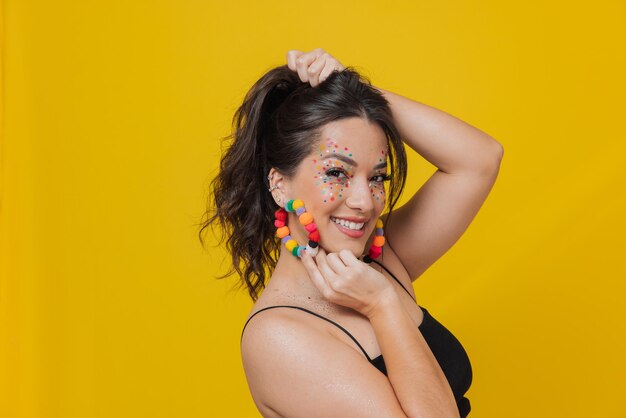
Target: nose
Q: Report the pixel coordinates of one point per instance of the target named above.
(360, 196)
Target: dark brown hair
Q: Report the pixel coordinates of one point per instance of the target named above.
(277, 126)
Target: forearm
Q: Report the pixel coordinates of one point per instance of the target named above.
(447, 142)
(417, 379)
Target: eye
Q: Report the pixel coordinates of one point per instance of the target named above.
(381, 178)
(335, 171)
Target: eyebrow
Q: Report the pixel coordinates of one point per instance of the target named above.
(351, 161)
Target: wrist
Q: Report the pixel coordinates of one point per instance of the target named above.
(386, 299)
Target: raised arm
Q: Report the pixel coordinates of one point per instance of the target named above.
(450, 144)
(467, 161)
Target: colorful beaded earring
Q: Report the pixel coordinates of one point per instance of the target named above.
(305, 218)
(377, 243)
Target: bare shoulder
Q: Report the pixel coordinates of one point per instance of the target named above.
(296, 368)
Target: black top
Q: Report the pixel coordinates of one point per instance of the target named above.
(448, 351)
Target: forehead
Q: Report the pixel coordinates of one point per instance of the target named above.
(356, 135)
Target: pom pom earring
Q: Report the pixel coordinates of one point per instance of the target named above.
(377, 243)
(297, 206)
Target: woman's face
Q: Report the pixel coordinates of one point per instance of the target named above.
(342, 180)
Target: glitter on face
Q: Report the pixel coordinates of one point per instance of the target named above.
(328, 184)
(378, 189)
(335, 185)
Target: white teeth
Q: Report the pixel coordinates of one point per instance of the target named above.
(347, 224)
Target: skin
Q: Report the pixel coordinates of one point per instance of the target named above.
(335, 171)
(358, 190)
(332, 187)
(314, 354)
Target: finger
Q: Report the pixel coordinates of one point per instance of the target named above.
(301, 66)
(348, 259)
(314, 274)
(292, 55)
(336, 263)
(303, 62)
(322, 264)
(316, 68)
(328, 69)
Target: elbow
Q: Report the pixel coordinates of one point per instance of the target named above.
(496, 149)
(499, 153)
(499, 150)
(492, 158)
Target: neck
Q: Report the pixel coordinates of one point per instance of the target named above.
(290, 276)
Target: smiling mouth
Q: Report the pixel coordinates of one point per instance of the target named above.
(353, 226)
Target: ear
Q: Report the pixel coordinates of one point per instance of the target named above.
(277, 179)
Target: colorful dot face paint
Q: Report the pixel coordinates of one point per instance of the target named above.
(333, 172)
(377, 188)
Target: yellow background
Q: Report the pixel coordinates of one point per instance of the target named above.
(112, 115)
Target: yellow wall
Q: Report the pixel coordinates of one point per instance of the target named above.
(113, 112)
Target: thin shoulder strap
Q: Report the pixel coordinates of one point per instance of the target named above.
(313, 313)
(394, 277)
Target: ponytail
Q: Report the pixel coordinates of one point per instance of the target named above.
(243, 206)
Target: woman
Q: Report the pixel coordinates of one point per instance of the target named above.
(337, 331)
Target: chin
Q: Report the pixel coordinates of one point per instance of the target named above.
(356, 254)
(356, 248)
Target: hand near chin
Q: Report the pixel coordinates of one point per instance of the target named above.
(314, 66)
(345, 280)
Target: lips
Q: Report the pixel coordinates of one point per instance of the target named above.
(352, 233)
(354, 219)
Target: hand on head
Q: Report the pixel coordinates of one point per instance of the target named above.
(314, 66)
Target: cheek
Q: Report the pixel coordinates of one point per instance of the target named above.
(329, 189)
(379, 194)
(334, 189)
